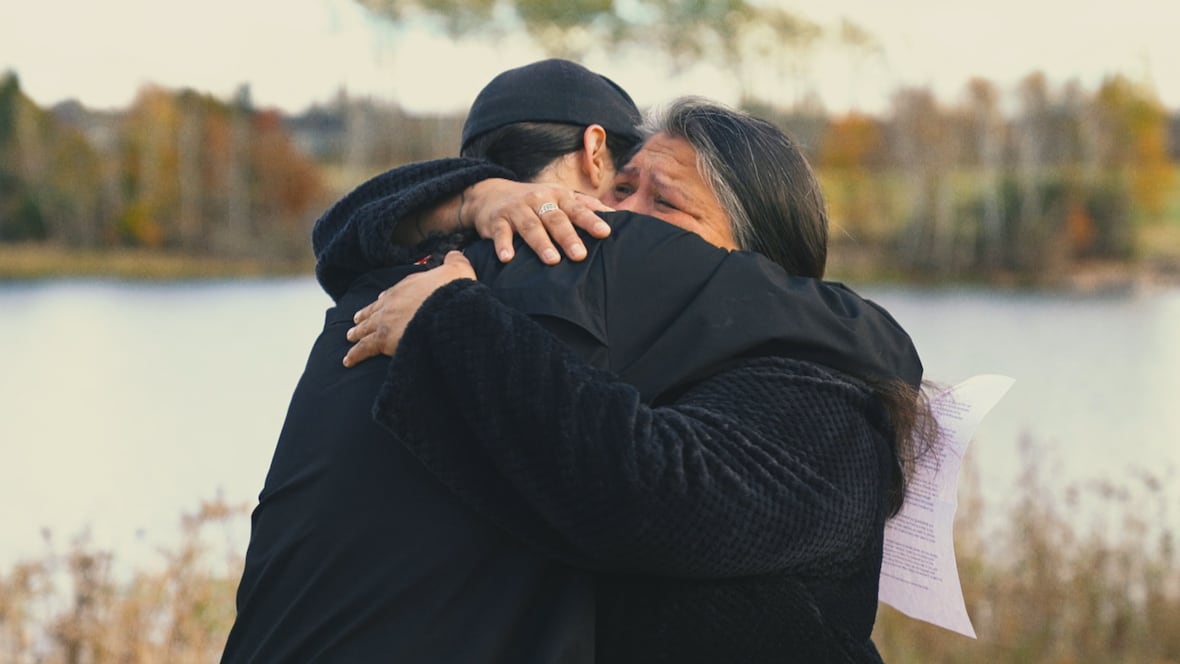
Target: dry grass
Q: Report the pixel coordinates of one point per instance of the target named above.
(70, 608)
(1038, 587)
(1042, 588)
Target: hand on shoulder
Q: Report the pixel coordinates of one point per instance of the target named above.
(380, 326)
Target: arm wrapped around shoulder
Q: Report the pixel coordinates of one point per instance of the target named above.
(769, 465)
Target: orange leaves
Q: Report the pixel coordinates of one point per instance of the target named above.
(199, 174)
(1134, 114)
(853, 141)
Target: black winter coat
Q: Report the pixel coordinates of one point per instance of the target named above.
(358, 554)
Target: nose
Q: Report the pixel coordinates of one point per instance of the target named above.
(633, 203)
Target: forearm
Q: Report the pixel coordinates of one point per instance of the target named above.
(450, 214)
(443, 217)
(487, 399)
(356, 234)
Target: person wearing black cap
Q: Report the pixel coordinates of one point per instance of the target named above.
(357, 552)
(520, 122)
(553, 90)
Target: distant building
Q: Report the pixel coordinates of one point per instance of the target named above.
(101, 128)
(321, 133)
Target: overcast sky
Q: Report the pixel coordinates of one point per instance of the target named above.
(296, 52)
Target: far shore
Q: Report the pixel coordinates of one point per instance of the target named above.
(36, 261)
(33, 262)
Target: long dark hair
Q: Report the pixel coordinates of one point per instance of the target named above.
(775, 207)
(915, 433)
(526, 148)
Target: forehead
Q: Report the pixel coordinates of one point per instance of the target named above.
(663, 151)
(666, 160)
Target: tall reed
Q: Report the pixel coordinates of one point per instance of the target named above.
(1079, 574)
(73, 606)
(1075, 574)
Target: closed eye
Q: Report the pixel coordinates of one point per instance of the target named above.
(621, 191)
(663, 202)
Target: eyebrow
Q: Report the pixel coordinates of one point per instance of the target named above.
(664, 184)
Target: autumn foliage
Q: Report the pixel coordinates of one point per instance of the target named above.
(976, 190)
(1023, 184)
(177, 171)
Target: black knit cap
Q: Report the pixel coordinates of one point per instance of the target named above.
(552, 91)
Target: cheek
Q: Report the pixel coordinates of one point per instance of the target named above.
(719, 234)
(709, 232)
(676, 219)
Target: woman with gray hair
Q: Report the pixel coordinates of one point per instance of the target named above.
(741, 520)
(760, 178)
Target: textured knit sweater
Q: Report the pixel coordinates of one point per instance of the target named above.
(741, 522)
(781, 461)
(354, 236)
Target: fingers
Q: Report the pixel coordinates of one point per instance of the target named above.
(546, 217)
(366, 333)
(522, 220)
(593, 203)
(364, 325)
(575, 210)
(458, 260)
(363, 340)
(380, 325)
(538, 236)
(559, 226)
(502, 240)
(557, 222)
(367, 347)
(581, 211)
(365, 313)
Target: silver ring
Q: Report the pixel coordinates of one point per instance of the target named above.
(546, 207)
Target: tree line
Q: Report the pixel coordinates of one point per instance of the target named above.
(177, 170)
(971, 190)
(1020, 183)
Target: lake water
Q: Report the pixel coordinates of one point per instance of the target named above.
(123, 405)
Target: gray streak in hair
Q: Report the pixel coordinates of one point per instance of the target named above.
(761, 179)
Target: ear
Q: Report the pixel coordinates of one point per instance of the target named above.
(596, 164)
